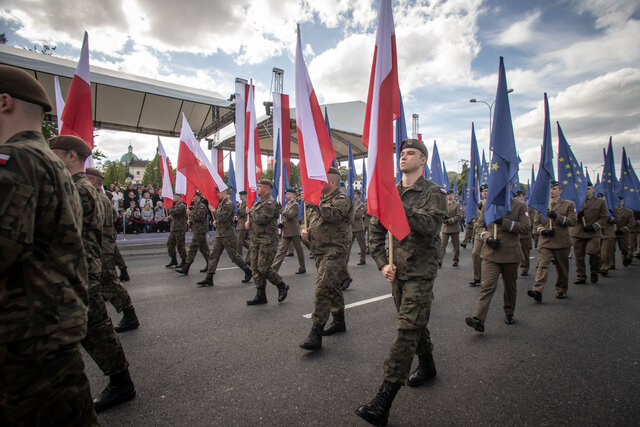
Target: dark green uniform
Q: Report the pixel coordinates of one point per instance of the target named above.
(242, 239)
(199, 219)
(178, 217)
(225, 237)
(263, 220)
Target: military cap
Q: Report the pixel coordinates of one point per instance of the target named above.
(95, 172)
(70, 142)
(554, 184)
(22, 85)
(334, 171)
(266, 182)
(357, 192)
(290, 190)
(242, 193)
(620, 197)
(601, 195)
(342, 184)
(483, 187)
(414, 143)
(519, 193)
(199, 194)
(589, 184)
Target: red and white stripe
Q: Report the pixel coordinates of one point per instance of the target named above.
(166, 192)
(241, 106)
(252, 148)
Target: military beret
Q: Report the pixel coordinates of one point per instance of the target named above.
(342, 184)
(600, 195)
(70, 142)
(334, 171)
(290, 190)
(357, 192)
(589, 184)
(22, 85)
(414, 143)
(95, 172)
(519, 193)
(554, 184)
(620, 198)
(242, 193)
(266, 182)
(483, 187)
(197, 193)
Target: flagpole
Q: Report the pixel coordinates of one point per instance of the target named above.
(495, 230)
(390, 250)
(550, 220)
(304, 213)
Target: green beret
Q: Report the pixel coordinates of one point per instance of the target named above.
(483, 187)
(450, 192)
(620, 197)
(334, 171)
(342, 184)
(95, 172)
(70, 142)
(414, 143)
(266, 182)
(519, 193)
(22, 85)
(589, 184)
(357, 192)
(242, 193)
(554, 184)
(290, 190)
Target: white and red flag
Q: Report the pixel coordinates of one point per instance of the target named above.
(217, 161)
(77, 116)
(315, 147)
(242, 90)
(383, 107)
(166, 192)
(253, 170)
(281, 126)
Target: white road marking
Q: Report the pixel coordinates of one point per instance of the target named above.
(227, 268)
(355, 304)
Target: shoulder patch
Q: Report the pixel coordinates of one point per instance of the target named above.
(526, 213)
(4, 159)
(269, 202)
(341, 196)
(228, 202)
(443, 191)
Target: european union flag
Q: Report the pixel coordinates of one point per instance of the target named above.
(504, 161)
(401, 135)
(351, 175)
(484, 179)
(231, 183)
(473, 178)
(539, 197)
(445, 177)
(588, 177)
(456, 196)
(570, 175)
(334, 163)
(628, 188)
(364, 179)
(515, 181)
(435, 173)
(609, 181)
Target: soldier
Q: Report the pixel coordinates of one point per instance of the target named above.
(586, 235)
(124, 274)
(451, 229)
(412, 273)
(477, 241)
(102, 342)
(262, 223)
(501, 255)
(329, 237)
(525, 239)
(554, 243)
(624, 223)
(178, 216)
(468, 233)
(357, 228)
(243, 234)
(607, 244)
(224, 240)
(199, 221)
(43, 269)
(290, 232)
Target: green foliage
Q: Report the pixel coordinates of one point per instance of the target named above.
(3, 38)
(344, 173)
(114, 172)
(49, 129)
(153, 173)
(294, 179)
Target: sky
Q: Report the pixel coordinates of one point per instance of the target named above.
(584, 54)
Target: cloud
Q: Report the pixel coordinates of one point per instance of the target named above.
(519, 33)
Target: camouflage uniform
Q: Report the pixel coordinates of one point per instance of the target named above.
(329, 240)
(263, 219)
(119, 261)
(199, 218)
(416, 259)
(178, 217)
(224, 238)
(43, 289)
(357, 230)
(243, 234)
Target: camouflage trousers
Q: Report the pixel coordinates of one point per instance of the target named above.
(119, 260)
(262, 256)
(102, 342)
(176, 240)
(328, 296)
(112, 289)
(359, 237)
(242, 240)
(220, 244)
(413, 300)
(42, 382)
(198, 243)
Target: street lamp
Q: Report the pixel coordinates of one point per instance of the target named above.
(473, 100)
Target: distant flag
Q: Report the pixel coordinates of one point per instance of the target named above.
(59, 101)
(515, 180)
(445, 177)
(77, 116)
(634, 177)
(539, 197)
(570, 175)
(628, 189)
(314, 142)
(609, 180)
(401, 135)
(242, 91)
(383, 106)
(231, 183)
(456, 196)
(252, 148)
(334, 163)
(473, 179)
(282, 123)
(533, 180)
(484, 179)
(166, 192)
(277, 190)
(351, 175)
(436, 174)
(364, 178)
(527, 189)
(504, 159)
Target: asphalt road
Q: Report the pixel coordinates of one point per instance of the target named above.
(202, 357)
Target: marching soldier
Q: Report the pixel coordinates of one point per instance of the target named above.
(199, 222)
(357, 228)
(525, 239)
(607, 244)
(554, 243)
(178, 216)
(290, 232)
(501, 255)
(468, 233)
(242, 239)
(224, 240)
(624, 223)
(329, 238)
(586, 235)
(124, 274)
(451, 229)
(477, 241)
(262, 223)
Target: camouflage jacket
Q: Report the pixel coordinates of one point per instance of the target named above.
(330, 224)
(109, 233)
(43, 267)
(178, 216)
(92, 220)
(224, 218)
(199, 218)
(242, 216)
(425, 204)
(263, 220)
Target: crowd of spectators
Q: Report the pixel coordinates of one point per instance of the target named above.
(139, 209)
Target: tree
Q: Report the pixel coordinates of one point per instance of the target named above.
(344, 173)
(153, 173)
(49, 129)
(3, 38)
(294, 179)
(114, 172)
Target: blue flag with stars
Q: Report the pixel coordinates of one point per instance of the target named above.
(351, 175)
(628, 189)
(231, 183)
(484, 176)
(456, 196)
(473, 179)
(435, 173)
(570, 175)
(539, 197)
(401, 135)
(634, 177)
(334, 163)
(445, 177)
(609, 181)
(504, 159)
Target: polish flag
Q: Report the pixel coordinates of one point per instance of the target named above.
(281, 126)
(315, 147)
(242, 90)
(196, 167)
(383, 107)
(252, 148)
(59, 102)
(166, 192)
(77, 116)
(217, 160)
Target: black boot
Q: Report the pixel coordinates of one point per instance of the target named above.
(260, 298)
(119, 390)
(204, 270)
(124, 275)
(173, 263)
(207, 282)
(347, 282)
(376, 412)
(337, 325)
(129, 320)
(282, 291)
(247, 275)
(314, 340)
(182, 263)
(184, 269)
(425, 371)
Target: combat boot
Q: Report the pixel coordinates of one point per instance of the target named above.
(247, 275)
(124, 275)
(207, 282)
(184, 269)
(204, 270)
(347, 282)
(314, 340)
(337, 325)
(376, 412)
(425, 371)
(260, 298)
(119, 390)
(173, 263)
(282, 291)
(182, 263)
(129, 320)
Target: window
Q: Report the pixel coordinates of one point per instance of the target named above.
(137, 172)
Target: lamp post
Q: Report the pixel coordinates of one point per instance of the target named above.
(474, 100)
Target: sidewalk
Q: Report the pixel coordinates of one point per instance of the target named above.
(149, 243)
